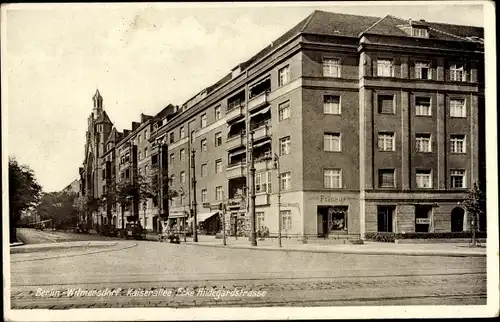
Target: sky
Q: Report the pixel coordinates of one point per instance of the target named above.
(141, 58)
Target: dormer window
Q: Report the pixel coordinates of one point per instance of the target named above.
(419, 32)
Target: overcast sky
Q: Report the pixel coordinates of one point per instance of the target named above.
(141, 58)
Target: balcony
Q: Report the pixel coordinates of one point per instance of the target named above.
(258, 101)
(262, 199)
(262, 130)
(236, 170)
(235, 111)
(235, 141)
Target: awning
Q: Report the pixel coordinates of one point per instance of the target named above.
(261, 111)
(256, 145)
(204, 216)
(181, 214)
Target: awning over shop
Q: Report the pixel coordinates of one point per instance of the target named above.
(173, 215)
(204, 216)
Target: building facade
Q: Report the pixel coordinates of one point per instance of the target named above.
(359, 124)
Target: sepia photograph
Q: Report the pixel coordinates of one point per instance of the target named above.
(252, 160)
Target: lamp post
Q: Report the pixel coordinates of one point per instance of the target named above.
(277, 167)
(184, 211)
(195, 221)
(253, 234)
(144, 205)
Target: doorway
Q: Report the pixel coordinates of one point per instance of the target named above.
(385, 218)
(457, 219)
(422, 218)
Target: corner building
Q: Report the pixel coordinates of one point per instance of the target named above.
(378, 125)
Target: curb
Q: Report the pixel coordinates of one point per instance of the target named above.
(342, 251)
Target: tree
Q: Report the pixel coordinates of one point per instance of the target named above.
(128, 192)
(59, 207)
(475, 204)
(24, 193)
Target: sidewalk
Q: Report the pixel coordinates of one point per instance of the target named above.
(368, 248)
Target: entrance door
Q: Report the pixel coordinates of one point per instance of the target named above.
(457, 219)
(384, 219)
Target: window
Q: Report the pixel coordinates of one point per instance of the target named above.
(457, 108)
(204, 170)
(422, 70)
(218, 113)
(386, 141)
(285, 145)
(192, 136)
(424, 178)
(172, 137)
(423, 106)
(331, 67)
(172, 178)
(458, 178)
(218, 166)
(332, 142)
(138, 139)
(385, 68)
(285, 180)
(331, 104)
(203, 120)
(146, 169)
(457, 143)
(284, 110)
(423, 142)
(140, 155)
(172, 159)
(457, 73)
(386, 104)
(204, 145)
(183, 177)
(218, 139)
(145, 152)
(182, 155)
(386, 178)
(332, 178)
(286, 219)
(283, 76)
(183, 200)
(260, 219)
(219, 193)
(263, 182)
(183, 132)
(420, 32)
(204, 195)
(146, 137)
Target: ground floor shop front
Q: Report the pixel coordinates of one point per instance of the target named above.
(319, 215)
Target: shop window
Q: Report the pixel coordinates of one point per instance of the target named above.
(422, 218)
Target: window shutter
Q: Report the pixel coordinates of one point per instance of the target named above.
(386, 104)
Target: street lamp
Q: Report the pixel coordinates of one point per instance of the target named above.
(195, 219)
(277, 167)
(144, 206)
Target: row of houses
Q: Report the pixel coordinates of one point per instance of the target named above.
(359, 124)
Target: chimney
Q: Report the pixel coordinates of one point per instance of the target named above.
(135, 125)
(126, 133)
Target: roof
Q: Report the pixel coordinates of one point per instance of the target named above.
(103, 118)
(347, 25)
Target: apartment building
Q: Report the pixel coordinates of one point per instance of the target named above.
(377, 124)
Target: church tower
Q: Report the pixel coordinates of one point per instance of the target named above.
(97, 110)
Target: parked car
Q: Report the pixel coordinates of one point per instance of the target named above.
(133, 230)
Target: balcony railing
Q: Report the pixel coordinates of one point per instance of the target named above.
(258, 101)
(262, 199)
(235, 141)
(234, 111)
(263, 130)
(235, 170)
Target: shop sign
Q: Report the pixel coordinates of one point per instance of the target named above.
(332, 198)
(423, 221)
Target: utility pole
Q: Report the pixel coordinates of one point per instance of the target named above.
(277, 166)
(253, 235)
(223, 208)
(195, 220)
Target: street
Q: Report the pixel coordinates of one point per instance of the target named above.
(170, 275)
